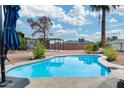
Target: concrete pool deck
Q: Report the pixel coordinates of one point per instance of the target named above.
(108, 81)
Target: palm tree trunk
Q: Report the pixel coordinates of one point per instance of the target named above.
(103, 33)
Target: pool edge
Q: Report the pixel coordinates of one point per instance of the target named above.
(102, 60)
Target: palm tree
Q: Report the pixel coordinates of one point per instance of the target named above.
(103, 9)
(41, 25)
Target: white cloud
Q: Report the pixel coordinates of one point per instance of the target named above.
(56, 26)
(76, 16)
(113, 20)
(76, 11)
(68, 34)
(118, 32)
(94, 14)
(117, 25)
(91, 37)
(24, 27)
(97, 35)
(19, 23)
(72, 34)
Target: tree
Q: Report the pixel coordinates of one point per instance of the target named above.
(112, 38)
(20, 34)
(104, 9)
(42, 25)
(22, 39)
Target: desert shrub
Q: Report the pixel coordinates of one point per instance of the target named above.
(111, 53)
(95, 47)
(99, 44)
(108, 46)
(88, 49)
(23, 41)
(39, 50)
(23, 45)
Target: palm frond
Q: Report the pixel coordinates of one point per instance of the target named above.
(106, 8)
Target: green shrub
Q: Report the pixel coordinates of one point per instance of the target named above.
(99, 44)
(23, 41)
(95, 47)
(88, 49)
(108, 46)
(39, 50)
(23, 44)
(111, 53)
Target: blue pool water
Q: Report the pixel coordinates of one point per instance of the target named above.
(62, 66)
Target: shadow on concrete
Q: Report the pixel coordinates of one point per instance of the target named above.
(13, 82)
(109, 83)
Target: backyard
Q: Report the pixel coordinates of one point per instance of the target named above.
(67, 48)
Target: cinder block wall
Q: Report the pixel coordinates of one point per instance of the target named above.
(69, 46)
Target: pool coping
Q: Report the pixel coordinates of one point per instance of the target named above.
(107, 64)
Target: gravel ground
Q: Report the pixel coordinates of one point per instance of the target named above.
(21, 56)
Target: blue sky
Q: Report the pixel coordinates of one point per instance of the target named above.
(73, 22)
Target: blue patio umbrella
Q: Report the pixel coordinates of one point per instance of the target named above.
(9, 36)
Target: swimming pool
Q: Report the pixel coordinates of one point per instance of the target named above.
(62, 66)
